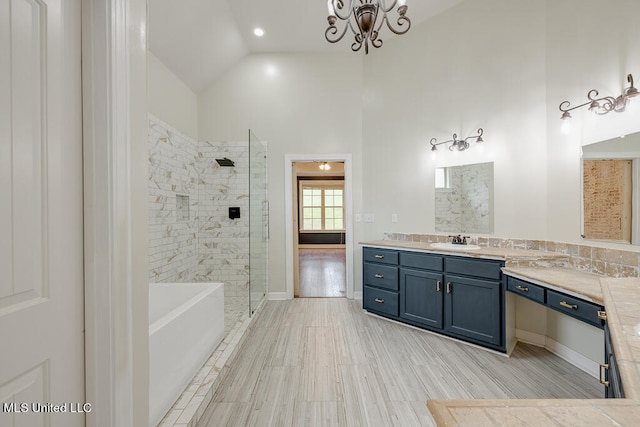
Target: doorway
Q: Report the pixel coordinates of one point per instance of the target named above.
(320, 233)
(323, 263)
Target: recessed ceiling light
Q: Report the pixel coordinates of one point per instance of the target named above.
(259, 32)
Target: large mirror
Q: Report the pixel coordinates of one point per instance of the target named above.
(464, 199)
(610, 190)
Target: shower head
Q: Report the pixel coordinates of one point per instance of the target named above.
(225, 162)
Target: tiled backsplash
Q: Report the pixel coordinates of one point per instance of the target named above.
(602, 261)
(197, 242)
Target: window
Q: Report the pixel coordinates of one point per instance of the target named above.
(321, 205)
(442, 178)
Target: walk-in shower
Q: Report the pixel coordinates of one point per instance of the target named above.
(208, 215)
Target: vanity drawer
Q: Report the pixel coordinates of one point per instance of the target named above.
(382, 256)
(473, 267)
(422, 261)
(575, 307)
(380, 300)
(526, 289)
(381, 276)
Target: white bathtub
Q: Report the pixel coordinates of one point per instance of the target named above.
(186, 323)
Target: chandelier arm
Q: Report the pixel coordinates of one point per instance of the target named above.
(375, 41)
(401, 21)
(359, 41)
(388, 9)
(338, 5)
(332, 30)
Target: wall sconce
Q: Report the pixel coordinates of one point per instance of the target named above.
(600, 106)
(457, 144)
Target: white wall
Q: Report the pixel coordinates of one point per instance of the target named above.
(297, 103)
(582, 54)
(480, 64)
(503, 65)
(170, 99)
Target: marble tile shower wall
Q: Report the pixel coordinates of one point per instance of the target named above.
(191, 238)
(173, 232)
(223, 253)
(602, 261)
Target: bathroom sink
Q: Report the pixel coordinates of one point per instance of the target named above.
(452, 247)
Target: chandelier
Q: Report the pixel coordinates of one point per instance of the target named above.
(365, 18)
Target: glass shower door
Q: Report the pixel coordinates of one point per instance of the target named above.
(258, 221)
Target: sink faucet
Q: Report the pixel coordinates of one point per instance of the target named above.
(459, 240)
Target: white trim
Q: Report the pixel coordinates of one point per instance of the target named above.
(527, 337)
(603, 155)
(109, 39)
(576, 359)
(288, 201)
(278, 296)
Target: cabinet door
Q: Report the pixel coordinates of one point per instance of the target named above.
(473, 308)
(421, 297)
(613, 383)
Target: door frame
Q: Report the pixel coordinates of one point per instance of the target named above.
(290, 159)
(115, 127)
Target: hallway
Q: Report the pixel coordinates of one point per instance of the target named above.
(322, 273)
(323, 361)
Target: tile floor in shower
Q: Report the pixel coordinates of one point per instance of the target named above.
(236, 309)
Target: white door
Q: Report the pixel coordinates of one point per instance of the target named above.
(41, 259)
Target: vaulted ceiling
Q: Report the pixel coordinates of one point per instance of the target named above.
(200, 39)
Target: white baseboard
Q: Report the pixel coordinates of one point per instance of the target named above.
(527, 337)
(282, 296)
(576, 359)
(277, 296)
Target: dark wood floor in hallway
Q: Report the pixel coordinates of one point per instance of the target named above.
(325, 362)
(322, 273)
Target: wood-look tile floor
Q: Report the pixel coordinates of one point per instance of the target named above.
(322, 273)
(325, 362)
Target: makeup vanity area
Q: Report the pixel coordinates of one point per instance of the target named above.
(470, 293)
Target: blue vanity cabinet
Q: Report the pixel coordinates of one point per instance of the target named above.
(457, 296)
(474, 300)
(611, 378)
(421, 289)
(380, 281)
(473, 309)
